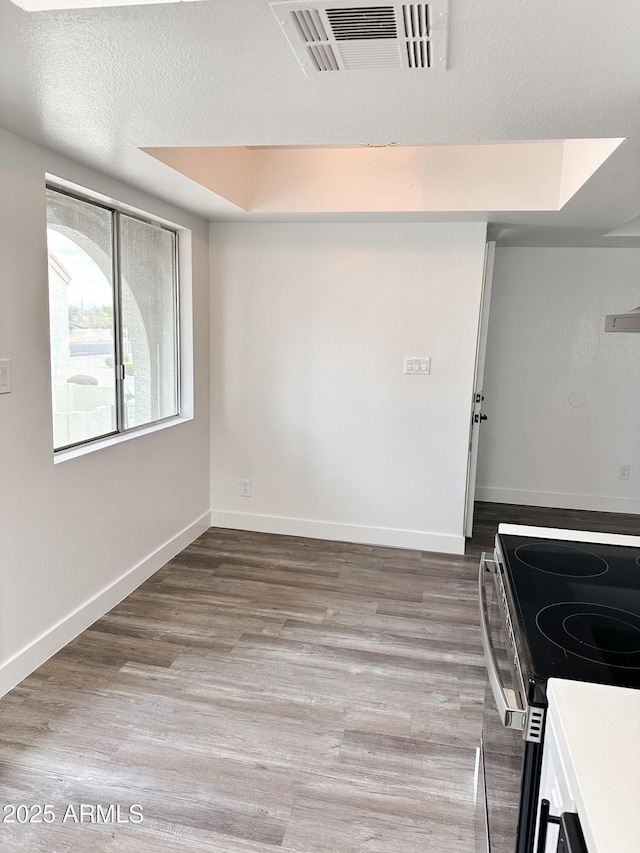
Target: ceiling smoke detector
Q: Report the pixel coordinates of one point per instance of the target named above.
(358, 34)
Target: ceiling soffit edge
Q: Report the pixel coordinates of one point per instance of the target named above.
(536, 175)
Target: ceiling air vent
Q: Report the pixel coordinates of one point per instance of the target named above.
(356, 34)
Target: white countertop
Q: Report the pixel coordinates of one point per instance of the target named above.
(599, 740)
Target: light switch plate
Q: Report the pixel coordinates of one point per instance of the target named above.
(5, 375)
(417, 365)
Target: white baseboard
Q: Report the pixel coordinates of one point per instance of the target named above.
(594, 503)
(22, 664)
(361, 534)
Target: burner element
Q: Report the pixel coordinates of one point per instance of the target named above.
(598, 633)
(606, 633)
(557, 558)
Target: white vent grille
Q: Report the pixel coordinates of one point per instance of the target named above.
(368, 22)
(355, 34)
(323, 57)
(359, 54)
(415, 17)
(310, 25)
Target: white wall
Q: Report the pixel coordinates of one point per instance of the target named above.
(78, 536)
(309, 327)
(546, 342)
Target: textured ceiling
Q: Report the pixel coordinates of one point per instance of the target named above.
(99, 84)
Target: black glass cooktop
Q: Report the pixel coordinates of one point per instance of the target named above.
(577, 607)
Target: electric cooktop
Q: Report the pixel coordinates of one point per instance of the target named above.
(577, 605)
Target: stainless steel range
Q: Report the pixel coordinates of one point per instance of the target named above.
(553, 603)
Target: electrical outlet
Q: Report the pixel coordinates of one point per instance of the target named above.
(624, 471)
(245, 488)
(5, 376)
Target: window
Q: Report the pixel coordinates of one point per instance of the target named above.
(113, 318)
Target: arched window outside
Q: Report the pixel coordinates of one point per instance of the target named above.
(113, 320)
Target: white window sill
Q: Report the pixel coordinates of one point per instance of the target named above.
(109, 441)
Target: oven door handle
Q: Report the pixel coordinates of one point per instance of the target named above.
(507, 700)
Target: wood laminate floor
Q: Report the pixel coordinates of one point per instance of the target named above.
(264, 693)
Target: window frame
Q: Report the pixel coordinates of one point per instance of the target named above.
(117, 209)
